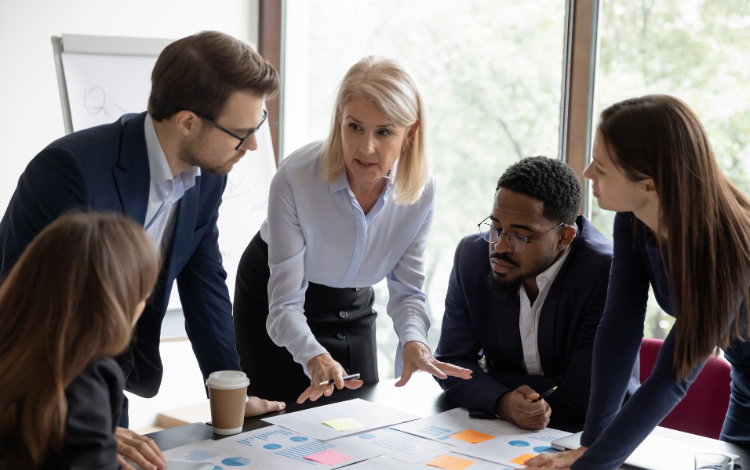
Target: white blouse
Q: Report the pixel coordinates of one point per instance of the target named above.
(317, 232)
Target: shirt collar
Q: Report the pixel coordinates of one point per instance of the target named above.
(549, 275)
(157, 160)
(342, 182)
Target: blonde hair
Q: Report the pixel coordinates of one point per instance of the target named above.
(389, 84)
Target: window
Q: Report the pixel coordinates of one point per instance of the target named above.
(695, 50)
(491, 73)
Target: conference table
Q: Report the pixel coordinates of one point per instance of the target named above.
(421, 397)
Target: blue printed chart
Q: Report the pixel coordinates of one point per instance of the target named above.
(508, 443)
(400, 446)
(271, 448)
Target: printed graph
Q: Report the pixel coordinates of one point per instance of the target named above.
(299, 452)
(268, 435)
(404, 444)
(544, 438)
(435, 431)
(199, 455)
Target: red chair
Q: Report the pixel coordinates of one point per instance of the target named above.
(703, 409)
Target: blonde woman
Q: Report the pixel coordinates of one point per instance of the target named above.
(343, 214)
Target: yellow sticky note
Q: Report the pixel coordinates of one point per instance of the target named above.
(450, 463)
(523, 458)
(344, 424)
(471, 436)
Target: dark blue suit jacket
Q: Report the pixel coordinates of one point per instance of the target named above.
(479, 318)
(106, 168)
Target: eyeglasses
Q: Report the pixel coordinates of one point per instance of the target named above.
(516, 243)
(242, 139)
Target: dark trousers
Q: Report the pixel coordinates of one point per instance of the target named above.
(342, 321)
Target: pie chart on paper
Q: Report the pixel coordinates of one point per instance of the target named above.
(518, 443)
(235, 461)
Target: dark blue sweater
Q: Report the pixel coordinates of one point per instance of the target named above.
(610, 433)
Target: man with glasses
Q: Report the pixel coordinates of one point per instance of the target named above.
(524, 300)
(166, 169)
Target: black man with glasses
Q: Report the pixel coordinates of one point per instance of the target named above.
(166, 169)
(524, 300)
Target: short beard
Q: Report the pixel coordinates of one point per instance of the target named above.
(513, 285)
(188, 154)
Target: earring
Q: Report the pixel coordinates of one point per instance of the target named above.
(403, 148)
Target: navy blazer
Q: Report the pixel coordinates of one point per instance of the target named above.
(481, 320)
(105, 168)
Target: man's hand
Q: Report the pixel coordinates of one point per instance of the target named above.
(255, 406)
(517, 407)
(323, 368)
(141, 450)
(417, 356)
(560, 460)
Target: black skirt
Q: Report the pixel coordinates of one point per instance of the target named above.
(342, 321)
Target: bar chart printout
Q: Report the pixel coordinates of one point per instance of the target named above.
(271, 448)
(400, 446)
(495, 440)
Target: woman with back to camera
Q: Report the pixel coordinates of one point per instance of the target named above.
(342, 215)
(684, 228)
(68, 306)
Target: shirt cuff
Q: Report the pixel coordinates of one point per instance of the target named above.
(412, 328)
(300, 341)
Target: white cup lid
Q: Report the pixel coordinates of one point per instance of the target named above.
(227, 380)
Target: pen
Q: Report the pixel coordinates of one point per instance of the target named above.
(348, 377)
(545, 394)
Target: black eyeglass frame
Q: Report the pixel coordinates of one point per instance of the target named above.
(241, 139)
(527, 240)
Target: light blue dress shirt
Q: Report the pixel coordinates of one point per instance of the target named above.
(318, 233)
(164, 190)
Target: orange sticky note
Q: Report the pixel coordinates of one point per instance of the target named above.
(523, 458)
(471, 436)
(450, 463)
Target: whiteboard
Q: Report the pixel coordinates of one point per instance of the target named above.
(103, 78)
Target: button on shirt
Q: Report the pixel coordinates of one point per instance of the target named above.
(317, 232)
(528, 320)
(164, 191)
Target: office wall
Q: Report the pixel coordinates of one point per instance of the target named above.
(30, 113)
(31, 116)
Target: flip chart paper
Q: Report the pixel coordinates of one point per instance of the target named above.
(522, 458)
(310, 422)
(329, 457)
(471, 436)
(451, 463)
(344, 424)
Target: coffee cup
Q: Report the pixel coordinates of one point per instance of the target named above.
(227, 391)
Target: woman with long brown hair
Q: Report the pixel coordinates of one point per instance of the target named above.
(68, 306)
(684, 228)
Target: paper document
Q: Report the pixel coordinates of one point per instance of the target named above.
(344, 424)
(400, 446)
(450, 462)
(273, 448)
(661, 453)
(495, 440)
(385, 463)
(311, 422)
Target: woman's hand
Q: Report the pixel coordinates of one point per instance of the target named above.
(256, 406)
(139, 449)
(560, 460)
(322, 369)
(417, 356)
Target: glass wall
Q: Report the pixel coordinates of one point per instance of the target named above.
(491, 72)
(695, 50)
